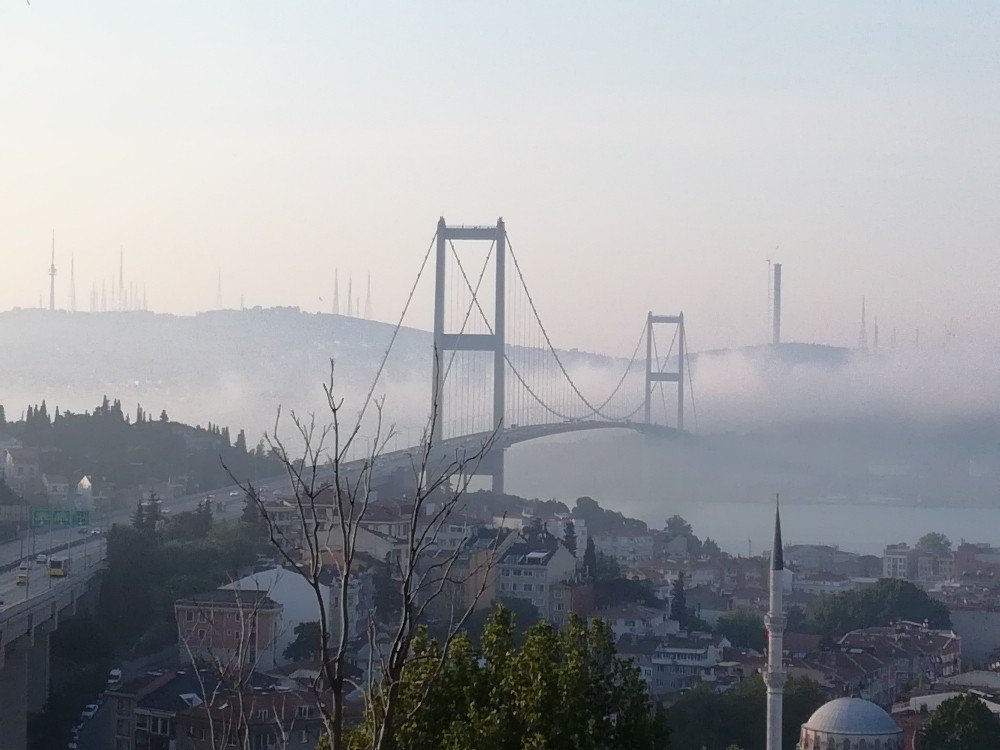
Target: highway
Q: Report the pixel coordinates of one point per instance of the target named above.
(84, 555)
(44, 541)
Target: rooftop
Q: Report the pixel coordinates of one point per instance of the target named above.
(241, 598)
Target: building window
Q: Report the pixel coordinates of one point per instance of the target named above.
(189, 616)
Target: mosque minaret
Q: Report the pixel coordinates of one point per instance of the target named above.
(774, 674)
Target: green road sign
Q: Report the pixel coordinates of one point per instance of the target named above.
(41, 517)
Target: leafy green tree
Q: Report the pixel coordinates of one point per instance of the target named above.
(523, 613)
(678, 602)
(590, 558)
(702, 718)
(711, 548)
(607, 567)
(139, 518)
(678, 527)
(306, 644)
(889, 599)
(570, 537)
(559, 691)
(934, 542)
(960, 723)
(743, 628)
(190, 525)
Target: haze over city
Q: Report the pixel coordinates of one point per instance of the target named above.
(681, 146)
(577, 376)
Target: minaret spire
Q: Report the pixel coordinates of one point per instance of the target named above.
(121, 277)
(774, 674)
(52, 275)
(336, 291)
(368, 298)
(863, 333)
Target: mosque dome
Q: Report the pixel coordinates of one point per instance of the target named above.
(850, 724)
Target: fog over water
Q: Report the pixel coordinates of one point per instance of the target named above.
(837, 430)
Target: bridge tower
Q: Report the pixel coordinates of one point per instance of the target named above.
(655, 375)
(465, 342)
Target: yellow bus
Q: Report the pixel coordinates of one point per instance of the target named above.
(58, 567)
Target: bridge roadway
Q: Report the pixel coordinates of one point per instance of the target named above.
(491, 463)
(28, 615)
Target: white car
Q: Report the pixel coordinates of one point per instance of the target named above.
(41, 558)
(114, 677)
(25, 565)
(89, 711)
(234, 493)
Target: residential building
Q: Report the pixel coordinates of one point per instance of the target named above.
(21, 470)
(231, 627)
(571, 597)
(84, 494)
(261, 720)
(686, 659)
(626, 546)
(297, 599)
(916, 564)
(529, 568)
(56, 489)
(708, 604)
(638, 619)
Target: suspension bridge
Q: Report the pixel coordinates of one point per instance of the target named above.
(498, 377)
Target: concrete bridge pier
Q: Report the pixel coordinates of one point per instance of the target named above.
(491, 465)
(13, 696)
(38, 674)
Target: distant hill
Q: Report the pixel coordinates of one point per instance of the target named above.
(231, 367)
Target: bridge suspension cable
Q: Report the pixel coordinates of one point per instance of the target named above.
(594, 410)
(553, 410)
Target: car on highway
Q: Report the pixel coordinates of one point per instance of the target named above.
(22, 578)
(89, 711)
(72, 745)
(83, 530)
(41, 558)
(25, 564)
(95, 532)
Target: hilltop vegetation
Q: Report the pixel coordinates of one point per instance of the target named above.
(128, 450)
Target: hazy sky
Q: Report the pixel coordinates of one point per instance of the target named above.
(644, 155)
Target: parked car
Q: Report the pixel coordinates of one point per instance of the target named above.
(89, 711)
